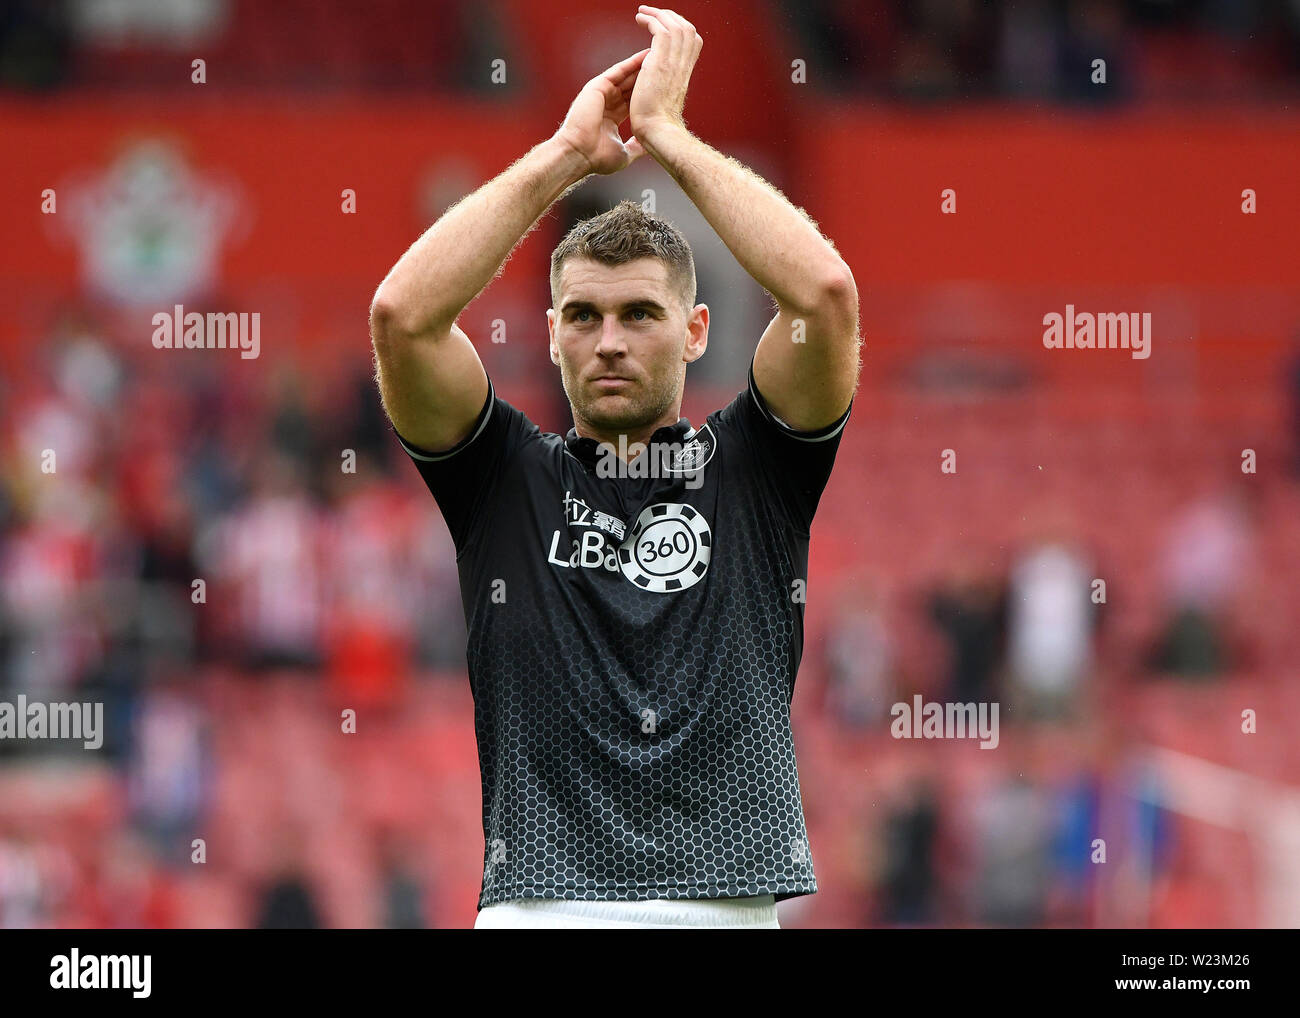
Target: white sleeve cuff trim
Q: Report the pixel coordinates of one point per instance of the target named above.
(802, 436)
(435, 457)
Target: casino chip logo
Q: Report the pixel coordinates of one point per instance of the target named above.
(668, 549)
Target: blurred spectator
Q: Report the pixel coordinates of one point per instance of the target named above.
(1096, 31)
(128, 892)
(910, 829)
(969, 607)
(287, 904)
(1142, 845)
(1205, 557)
(1076, 802)
(1030, 55)
(34, 44)
(287, 900)
(167, 776)
(1012, 849)
(267, 556)
(849, 42)
(49, 566)
(404, 897)
(374, 596)
(945, 49)
(166, 617)
(172, 24)
(1049, 628)
(364, 426)
(293, 431)
(860, 658)
(20, 883)
(38, 876)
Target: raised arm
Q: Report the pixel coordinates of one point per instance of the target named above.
(806, 365)
(430, 377)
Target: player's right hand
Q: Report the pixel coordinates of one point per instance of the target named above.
(591, 126)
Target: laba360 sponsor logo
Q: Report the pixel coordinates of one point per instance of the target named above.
(666, 550)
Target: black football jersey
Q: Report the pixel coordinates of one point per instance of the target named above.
(633, 643)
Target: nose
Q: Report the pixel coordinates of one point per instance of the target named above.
(611, 338)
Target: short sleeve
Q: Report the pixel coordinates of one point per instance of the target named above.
(463, 479)
(795, 464)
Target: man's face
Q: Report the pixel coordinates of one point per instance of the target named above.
(622, 341)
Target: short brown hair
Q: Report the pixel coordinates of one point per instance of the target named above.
(623, 234)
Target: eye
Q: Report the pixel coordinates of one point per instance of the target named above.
(577, 317)
(640, 311)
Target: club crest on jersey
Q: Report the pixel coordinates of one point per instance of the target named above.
(692, 456)
(668, 549)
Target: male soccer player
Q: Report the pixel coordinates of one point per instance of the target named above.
(634, 628)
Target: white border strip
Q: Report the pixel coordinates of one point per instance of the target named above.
(491, 402)
(802, 436)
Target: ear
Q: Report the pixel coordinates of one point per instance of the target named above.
(550, 329)
(697, 333)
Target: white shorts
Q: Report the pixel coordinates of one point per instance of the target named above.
(755, 913)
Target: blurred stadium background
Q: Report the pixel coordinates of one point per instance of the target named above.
(329, 590)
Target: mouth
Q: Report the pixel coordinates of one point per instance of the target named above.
(611, 381)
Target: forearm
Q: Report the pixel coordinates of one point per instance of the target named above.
(465, 249)
(777, 243)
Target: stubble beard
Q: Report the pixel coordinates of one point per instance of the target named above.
(620, 413)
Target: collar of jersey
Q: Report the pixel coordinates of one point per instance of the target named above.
(588, 449)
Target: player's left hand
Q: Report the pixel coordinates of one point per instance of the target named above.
(591, 126)
(660, 91)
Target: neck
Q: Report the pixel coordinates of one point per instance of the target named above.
(629, 437)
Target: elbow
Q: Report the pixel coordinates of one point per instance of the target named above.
(397, 321)
(840, 306)
(835, 295)
(387, 322)
(840, 290)
(835, 299)
(840, 299)
(381, 321)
